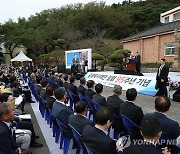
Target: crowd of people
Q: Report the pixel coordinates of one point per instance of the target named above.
(94, 132)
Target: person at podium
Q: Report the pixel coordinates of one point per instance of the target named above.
(138, 62)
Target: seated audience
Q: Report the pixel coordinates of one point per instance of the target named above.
(22, 124)
(81, 89)
(73, 88)
(170, 128)
(38, 86)
(61, 111)
(79, 121)
(50, 98)
(16, 93)
(57, 79)
(113, 103)
(43, 93)
(151, 132)
(98, 98)
(90, 91)
(8, 143)
(132, 111)
(129, 109)
(96, 138)
(66, 83)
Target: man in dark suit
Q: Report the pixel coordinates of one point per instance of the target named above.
(129, 109)
(96, 138)
(81, 89)
(162, 78)
(170, 128)
(98, 98)
(73, 88)
(132, 111)
(7, 140)
(113, 103)
(38, 86)
(151, 132)
(90, 92)
(43, 93)
(65, 84)
(138, 62)
(74, 68)
(57, 79)
(61, 111)
(79, 121)
(50, 98)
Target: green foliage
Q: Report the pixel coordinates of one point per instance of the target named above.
(96, 56)
(44, 57)
(118, 58)
(32, 56)
(155, 65)
(67, 25)
(57, 48)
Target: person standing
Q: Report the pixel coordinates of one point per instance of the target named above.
(74, 68)
(138, 62)
(162, 77)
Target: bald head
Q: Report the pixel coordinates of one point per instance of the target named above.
(162, 104)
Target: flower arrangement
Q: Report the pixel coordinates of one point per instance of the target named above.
(173, 85)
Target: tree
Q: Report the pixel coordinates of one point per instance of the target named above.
(118, 58)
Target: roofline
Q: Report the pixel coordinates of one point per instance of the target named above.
(149, 36)
(170, 13)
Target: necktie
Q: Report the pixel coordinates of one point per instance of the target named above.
(160, 69)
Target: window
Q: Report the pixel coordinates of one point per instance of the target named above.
(176, 16)
(166, 19)
(169, 48)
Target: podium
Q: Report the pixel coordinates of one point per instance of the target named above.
(131, 65)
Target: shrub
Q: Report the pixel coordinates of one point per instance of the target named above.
(118, 58)
(32, 56)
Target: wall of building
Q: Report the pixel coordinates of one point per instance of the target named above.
(151, 49)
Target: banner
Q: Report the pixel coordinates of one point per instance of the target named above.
(143, 84)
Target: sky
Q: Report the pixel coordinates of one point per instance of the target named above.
(13, 9)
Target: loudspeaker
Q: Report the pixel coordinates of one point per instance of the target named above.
(176, 96)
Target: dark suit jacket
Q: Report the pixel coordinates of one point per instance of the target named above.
(65, 85)
(38, 88)
(43, 93)
(81, 90)
(62, 113)
(16, 93)
(79, 122)
(164, 74)
(113, 103)
(146, 148)
(98, 98)
(89, 93)
(58, 81)
(50, 100)
(132, 111)
(7, 144)
(73, 89)
(170, 128)
(97, 141)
